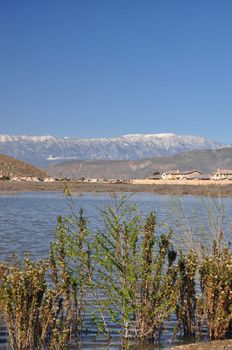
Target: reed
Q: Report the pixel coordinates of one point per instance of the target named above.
(215, 301)
(186, 304)
(30, 307)
(43, 302)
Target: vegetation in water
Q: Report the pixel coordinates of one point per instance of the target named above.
(132, 276)
(136, 270)
(215, 301)
(186, 304)
(30, 307)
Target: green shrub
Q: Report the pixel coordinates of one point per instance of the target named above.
(136, 272)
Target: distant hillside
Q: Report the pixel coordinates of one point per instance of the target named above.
(46, 150)
(204, 160)
(10, 167)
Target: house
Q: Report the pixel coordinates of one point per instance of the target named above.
(181, 175)
(222, 174)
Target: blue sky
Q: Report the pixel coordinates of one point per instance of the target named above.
(92, 68)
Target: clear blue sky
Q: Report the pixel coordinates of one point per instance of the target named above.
(91, 68)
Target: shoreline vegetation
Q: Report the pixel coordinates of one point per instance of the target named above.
(125, 274)
(172, 187)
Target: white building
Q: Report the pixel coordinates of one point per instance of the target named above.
(222, 174)
(181, 175)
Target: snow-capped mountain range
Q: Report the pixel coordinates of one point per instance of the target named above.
(43, 150)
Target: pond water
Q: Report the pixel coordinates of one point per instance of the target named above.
(28, 224)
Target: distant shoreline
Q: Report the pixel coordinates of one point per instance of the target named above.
(199, 188)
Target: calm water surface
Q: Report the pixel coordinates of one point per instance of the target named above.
(28, 223)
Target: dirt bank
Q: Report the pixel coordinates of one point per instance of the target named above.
(214, 345)
(173, 188)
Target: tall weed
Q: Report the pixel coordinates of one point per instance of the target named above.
(136, 270)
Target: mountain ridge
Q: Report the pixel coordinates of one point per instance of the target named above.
(206, 161)
(43, 150)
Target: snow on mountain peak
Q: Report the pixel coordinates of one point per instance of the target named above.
(148, 135)
(41, 149)
(10, 138)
